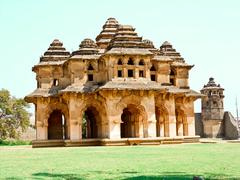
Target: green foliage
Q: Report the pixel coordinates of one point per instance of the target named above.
(14, 142)
(14, 118)
(84, 126)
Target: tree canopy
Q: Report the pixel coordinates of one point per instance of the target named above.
(14, 118)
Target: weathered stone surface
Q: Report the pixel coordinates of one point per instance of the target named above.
(213, 121)
(119, 87)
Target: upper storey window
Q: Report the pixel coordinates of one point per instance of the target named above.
(90, 67)
(55, 82)
(90, 72)
(153, 69)
(141, 62)
(153, 73)
(130, 61)
(120, 62)
(172, 77)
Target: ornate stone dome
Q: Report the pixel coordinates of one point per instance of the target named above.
(148, 43)
(88, 43)
(87, 47)
(211, 83)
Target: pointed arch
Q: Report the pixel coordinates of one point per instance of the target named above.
(141, 62)
(120, 61)
(130, 61)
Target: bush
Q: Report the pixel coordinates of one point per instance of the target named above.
(14, 142)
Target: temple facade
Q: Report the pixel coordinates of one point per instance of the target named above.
(117, 90)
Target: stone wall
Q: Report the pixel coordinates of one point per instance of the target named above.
(198, 124)
(231, 129)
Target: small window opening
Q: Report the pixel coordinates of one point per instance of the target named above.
(90, 77)
(119, 62)
(38, 84)
(130, 61)
(119, 73)
(90, 67)
(55, 82)
(141, 73)
(153, 77)
(141, 62)
(152, 68)
(130, 73)
(172, 81)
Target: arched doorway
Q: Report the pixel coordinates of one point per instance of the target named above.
(57, 126)
(91, 123)
(181, 123)
(132, 123)
(162, 124)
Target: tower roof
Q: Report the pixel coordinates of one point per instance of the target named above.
(55, 49)
(106, 35)
(126, 37)
(166, 49)
(211, 83)
(87, 47)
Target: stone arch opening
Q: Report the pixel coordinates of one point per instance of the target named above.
(57, 125)
(91, 121)
(162, 124)
(141, 62)
(181, 123)
(131, 122)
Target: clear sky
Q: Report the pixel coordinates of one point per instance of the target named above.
(206, 33)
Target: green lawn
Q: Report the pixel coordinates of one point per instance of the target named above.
(212, 161)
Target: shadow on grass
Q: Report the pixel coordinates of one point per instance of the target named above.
(133, 175)
(63, 176)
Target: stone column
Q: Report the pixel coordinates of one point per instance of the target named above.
(172, 116)
(191, 126)
(75, 119)
(114, 126)
(41, 121)
(149, 104)
(190, 118)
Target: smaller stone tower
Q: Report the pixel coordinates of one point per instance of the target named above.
(212, 109)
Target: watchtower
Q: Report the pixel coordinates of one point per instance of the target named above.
(212, 109)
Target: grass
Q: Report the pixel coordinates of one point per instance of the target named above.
(211, 161)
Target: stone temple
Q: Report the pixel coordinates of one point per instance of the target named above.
(117, 90)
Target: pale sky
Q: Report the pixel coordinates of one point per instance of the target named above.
(206, 33)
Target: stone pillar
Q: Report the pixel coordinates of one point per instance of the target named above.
(190, 121)
(115, 127)
(41, 121)
(75, 119)
(136, 72)
(191, 126)
(149, 104)
(115, 71)
(172, 116)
